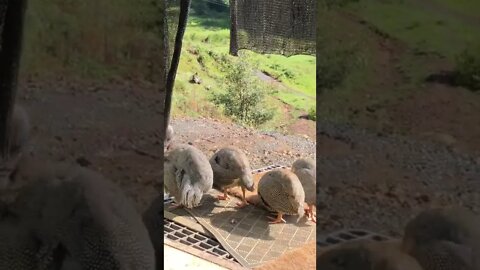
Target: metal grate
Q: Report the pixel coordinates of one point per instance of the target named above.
(179, 233)
(268, 168)
(348, 235)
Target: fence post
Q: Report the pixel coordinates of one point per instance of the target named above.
(233, 28)
(182, 24)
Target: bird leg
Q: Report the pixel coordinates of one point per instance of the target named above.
(278, 219)
(224, 196)
(244, 200)
(310, 214)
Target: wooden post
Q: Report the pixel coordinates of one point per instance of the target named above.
(11, 46)
(233, 28)
(182, 25)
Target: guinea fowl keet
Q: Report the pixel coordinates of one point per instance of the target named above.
(230, 169)
(281, 191)
(445, 239)
(306, 171)
(366, 255)
(187, 175)
(79, 219)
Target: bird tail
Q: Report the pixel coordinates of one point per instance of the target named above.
(191, 195)
(300, 212)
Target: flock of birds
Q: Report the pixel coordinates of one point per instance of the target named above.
(189, 174)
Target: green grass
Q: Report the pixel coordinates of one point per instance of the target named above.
(432, 26)
(419, 26)
(206, 46)
(467, 7)
(92, 39)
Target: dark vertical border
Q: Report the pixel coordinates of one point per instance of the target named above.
(10, 51)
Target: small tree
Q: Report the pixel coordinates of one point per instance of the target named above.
(468, 68)
(244, 97)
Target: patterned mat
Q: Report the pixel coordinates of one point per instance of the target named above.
(246, 234)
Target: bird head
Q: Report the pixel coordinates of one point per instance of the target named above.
(247, 180)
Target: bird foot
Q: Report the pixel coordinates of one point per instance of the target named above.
(242, 204)
(223, 197)
(276, 220)
(175, 206)
(310, 215)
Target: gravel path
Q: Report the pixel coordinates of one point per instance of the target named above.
(378, 181)
(262, 148)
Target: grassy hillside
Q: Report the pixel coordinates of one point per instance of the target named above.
(206, 45)
(443, 26)
(382, 52)
(92, 39)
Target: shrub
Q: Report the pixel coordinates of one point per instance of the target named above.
(244, 97)
(312, 114)
(468, 68)
(333, 65)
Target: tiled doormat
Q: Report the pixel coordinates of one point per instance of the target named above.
(347, 235)
(246, 234)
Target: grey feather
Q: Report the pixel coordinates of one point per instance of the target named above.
(87, 215)
(282, 191)
(306, 171)
(444, 239)
(187, 175)
(231, 168)
(366, 255)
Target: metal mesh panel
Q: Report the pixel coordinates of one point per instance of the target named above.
(179, 233)
(275, 26)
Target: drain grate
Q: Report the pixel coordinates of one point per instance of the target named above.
(268, 168)
(179, 233)
(349, 235)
